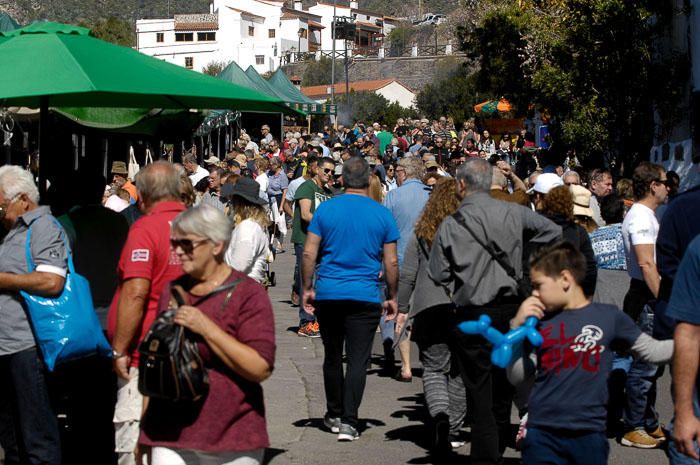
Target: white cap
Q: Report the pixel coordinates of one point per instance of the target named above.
(546, 182)
(212, 161)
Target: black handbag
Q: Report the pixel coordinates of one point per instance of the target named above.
(170, 366)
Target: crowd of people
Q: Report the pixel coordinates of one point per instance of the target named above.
(403, 230)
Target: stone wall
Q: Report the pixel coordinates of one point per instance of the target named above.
(413, 72)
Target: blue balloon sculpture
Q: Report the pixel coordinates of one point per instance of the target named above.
(502, 353)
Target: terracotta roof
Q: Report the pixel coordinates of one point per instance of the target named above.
(300, 14)
(196, 26)
(245, 12)
(315, 25)
(357, 86)
(365, 25)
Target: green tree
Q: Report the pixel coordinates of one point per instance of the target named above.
(370, 107)
(114, 30)
(318, 73)
(214, 67)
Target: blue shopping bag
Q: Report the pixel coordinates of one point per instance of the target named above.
(65, 327)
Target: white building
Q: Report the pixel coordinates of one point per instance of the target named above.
(390, 89)
(249, 32)
(371, 27)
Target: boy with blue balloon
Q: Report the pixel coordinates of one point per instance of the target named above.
(568, 403)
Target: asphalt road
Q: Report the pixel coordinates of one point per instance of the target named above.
(393, 412)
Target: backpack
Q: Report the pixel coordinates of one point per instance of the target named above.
(170, 366)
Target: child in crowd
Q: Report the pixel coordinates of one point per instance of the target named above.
(567, 405)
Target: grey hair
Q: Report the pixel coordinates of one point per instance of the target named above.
(572, 173)
(498, 178)
(158, 181)
(356, 173)
(189, 158)
(204, 221)
(14, 180)
(414, 167)
(476, 174)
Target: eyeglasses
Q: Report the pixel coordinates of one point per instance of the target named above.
(328, 170)
(187, 245)
(665, 182)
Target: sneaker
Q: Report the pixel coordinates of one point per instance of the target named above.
(640, 439)
(347, 433)
(441, 434)
(307, 330)
(456, 441)
(333, 424)
(657, 434)
(522, 432)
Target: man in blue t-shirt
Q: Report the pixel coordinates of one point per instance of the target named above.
(684, 308)
(353, 235)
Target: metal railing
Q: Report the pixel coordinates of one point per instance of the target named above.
(369, 53)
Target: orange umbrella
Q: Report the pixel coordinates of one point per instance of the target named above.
(490, 106)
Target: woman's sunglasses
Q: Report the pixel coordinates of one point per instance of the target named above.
(187, 245)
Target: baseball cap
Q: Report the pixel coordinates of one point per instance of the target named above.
(546, 182)
(431, 164)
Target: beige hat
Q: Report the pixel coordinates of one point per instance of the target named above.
(241, 159)
(119, 167)
(431, 164)
(212, 160)
(582, 200)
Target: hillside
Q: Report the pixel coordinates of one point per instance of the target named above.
(90, 11)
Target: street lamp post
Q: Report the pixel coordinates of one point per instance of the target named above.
(333, 55)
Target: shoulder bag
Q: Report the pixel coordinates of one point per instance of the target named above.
(66, 327)
(170, 366)
(499, 257)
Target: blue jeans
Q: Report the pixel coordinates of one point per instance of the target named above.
(641, 385)
(304, 316)
(28, 426)
(545, 447)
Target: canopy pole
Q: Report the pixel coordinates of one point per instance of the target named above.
(308, 119)
(43, 143)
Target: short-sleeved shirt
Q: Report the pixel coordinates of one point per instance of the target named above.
(232, 416)
(292, 189)
(685, 297)
(406, 204)
(573, 364)
(49, 255)
(277, 183)
(147, 254)
(308, 190)
(351, 250)
(640, 227)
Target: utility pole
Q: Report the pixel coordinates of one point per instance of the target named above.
(333, 54)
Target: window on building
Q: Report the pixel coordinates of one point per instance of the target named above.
(251, 31)
(206, 36)
(159, 37)
(184, 37)
(189, 62)
(271, 33)
(304, 33)
(259, 59)
(368, 18)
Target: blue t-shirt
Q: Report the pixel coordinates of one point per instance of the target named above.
(573, 364)
(406, 203)
(353, 231)
(685, 297)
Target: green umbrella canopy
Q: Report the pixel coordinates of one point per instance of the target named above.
(7, 23)
(280, 82)
(263, 86)
(71, 68)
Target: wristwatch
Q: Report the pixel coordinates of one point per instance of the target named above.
(116, 355)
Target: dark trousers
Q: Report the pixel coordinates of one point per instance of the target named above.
(547, 447)
(28, 427)
(353, 324)
(487, 386)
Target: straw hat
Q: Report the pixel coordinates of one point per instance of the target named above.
(582, 200)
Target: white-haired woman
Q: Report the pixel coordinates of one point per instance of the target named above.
(249, 249)
(237, 343)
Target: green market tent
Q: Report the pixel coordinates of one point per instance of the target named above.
(281, 83)
(264, 86)
(67, 67)
(7, 23)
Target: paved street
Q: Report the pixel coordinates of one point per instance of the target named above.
(392, 411)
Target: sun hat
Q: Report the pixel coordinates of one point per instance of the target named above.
(546, 182)
(582, 200)
(248, 190)
(212, 160)
(119, 167)
(241, 159)
(431, 164)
